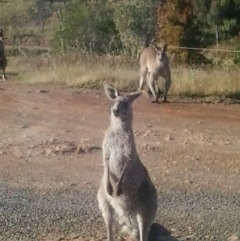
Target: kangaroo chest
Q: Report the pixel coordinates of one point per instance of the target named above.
(121, 151)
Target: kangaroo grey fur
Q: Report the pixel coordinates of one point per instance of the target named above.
(118, 183)
(135, 205)
(3, 59)
(154, 63)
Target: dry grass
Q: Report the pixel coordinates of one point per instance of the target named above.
(89, 71)
(10, 10)
(15, 21)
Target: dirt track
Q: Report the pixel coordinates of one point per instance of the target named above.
(50, 164)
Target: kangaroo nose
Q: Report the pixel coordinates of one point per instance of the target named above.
(115, 112)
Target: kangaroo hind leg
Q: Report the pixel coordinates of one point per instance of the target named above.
(143, 73)
(151, 84)
(107, 212)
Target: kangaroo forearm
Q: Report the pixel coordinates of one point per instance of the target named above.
(119, 183)
(108, 182)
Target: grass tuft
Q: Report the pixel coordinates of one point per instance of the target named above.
(89, 71)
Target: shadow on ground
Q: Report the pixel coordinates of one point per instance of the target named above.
(160, 233)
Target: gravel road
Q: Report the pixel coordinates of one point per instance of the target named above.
(50, 165)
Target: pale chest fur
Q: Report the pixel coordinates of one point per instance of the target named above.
(157, 67)
(119, 148)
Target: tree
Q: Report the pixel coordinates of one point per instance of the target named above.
(40, 12)
(58, 7)
(178, 26)
(134, 20)
(87, 26)
(223, 18)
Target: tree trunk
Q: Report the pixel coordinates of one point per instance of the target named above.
(216, 34)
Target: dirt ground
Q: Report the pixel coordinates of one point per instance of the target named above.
(50, 164)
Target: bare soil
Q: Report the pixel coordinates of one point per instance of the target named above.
(50, 164)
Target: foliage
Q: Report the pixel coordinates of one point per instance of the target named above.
(40, 12)
(134, 20)
(100, 26)
(178, 26)
(87, 26)
(236, 55)
(121, 26)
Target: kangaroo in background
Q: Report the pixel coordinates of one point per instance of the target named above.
(126, 193)
(3, 59)
(154, 63)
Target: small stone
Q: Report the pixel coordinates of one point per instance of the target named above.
(137, 133)
(57, 148)
(42, 91)
(69, 148)
(23, 127)
(151, 148)
(190, 238)
(94, 148)
(188, 182)
(52, 139)
(233, 238)
(185, 143)
(48, 151)
(168, 138)
(80, 150)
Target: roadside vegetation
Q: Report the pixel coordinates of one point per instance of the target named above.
(82, 43)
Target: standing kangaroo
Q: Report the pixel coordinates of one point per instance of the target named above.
(3, 59)
(126, 191)
(154, 63)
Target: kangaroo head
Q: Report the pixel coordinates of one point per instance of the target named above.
(161, 51)
(121, 105)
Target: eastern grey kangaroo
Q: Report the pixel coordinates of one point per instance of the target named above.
(154, 63)
(126, 193)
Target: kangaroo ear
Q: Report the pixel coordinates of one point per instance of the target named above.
(131, 97)
(111, 92)
(156, 47)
